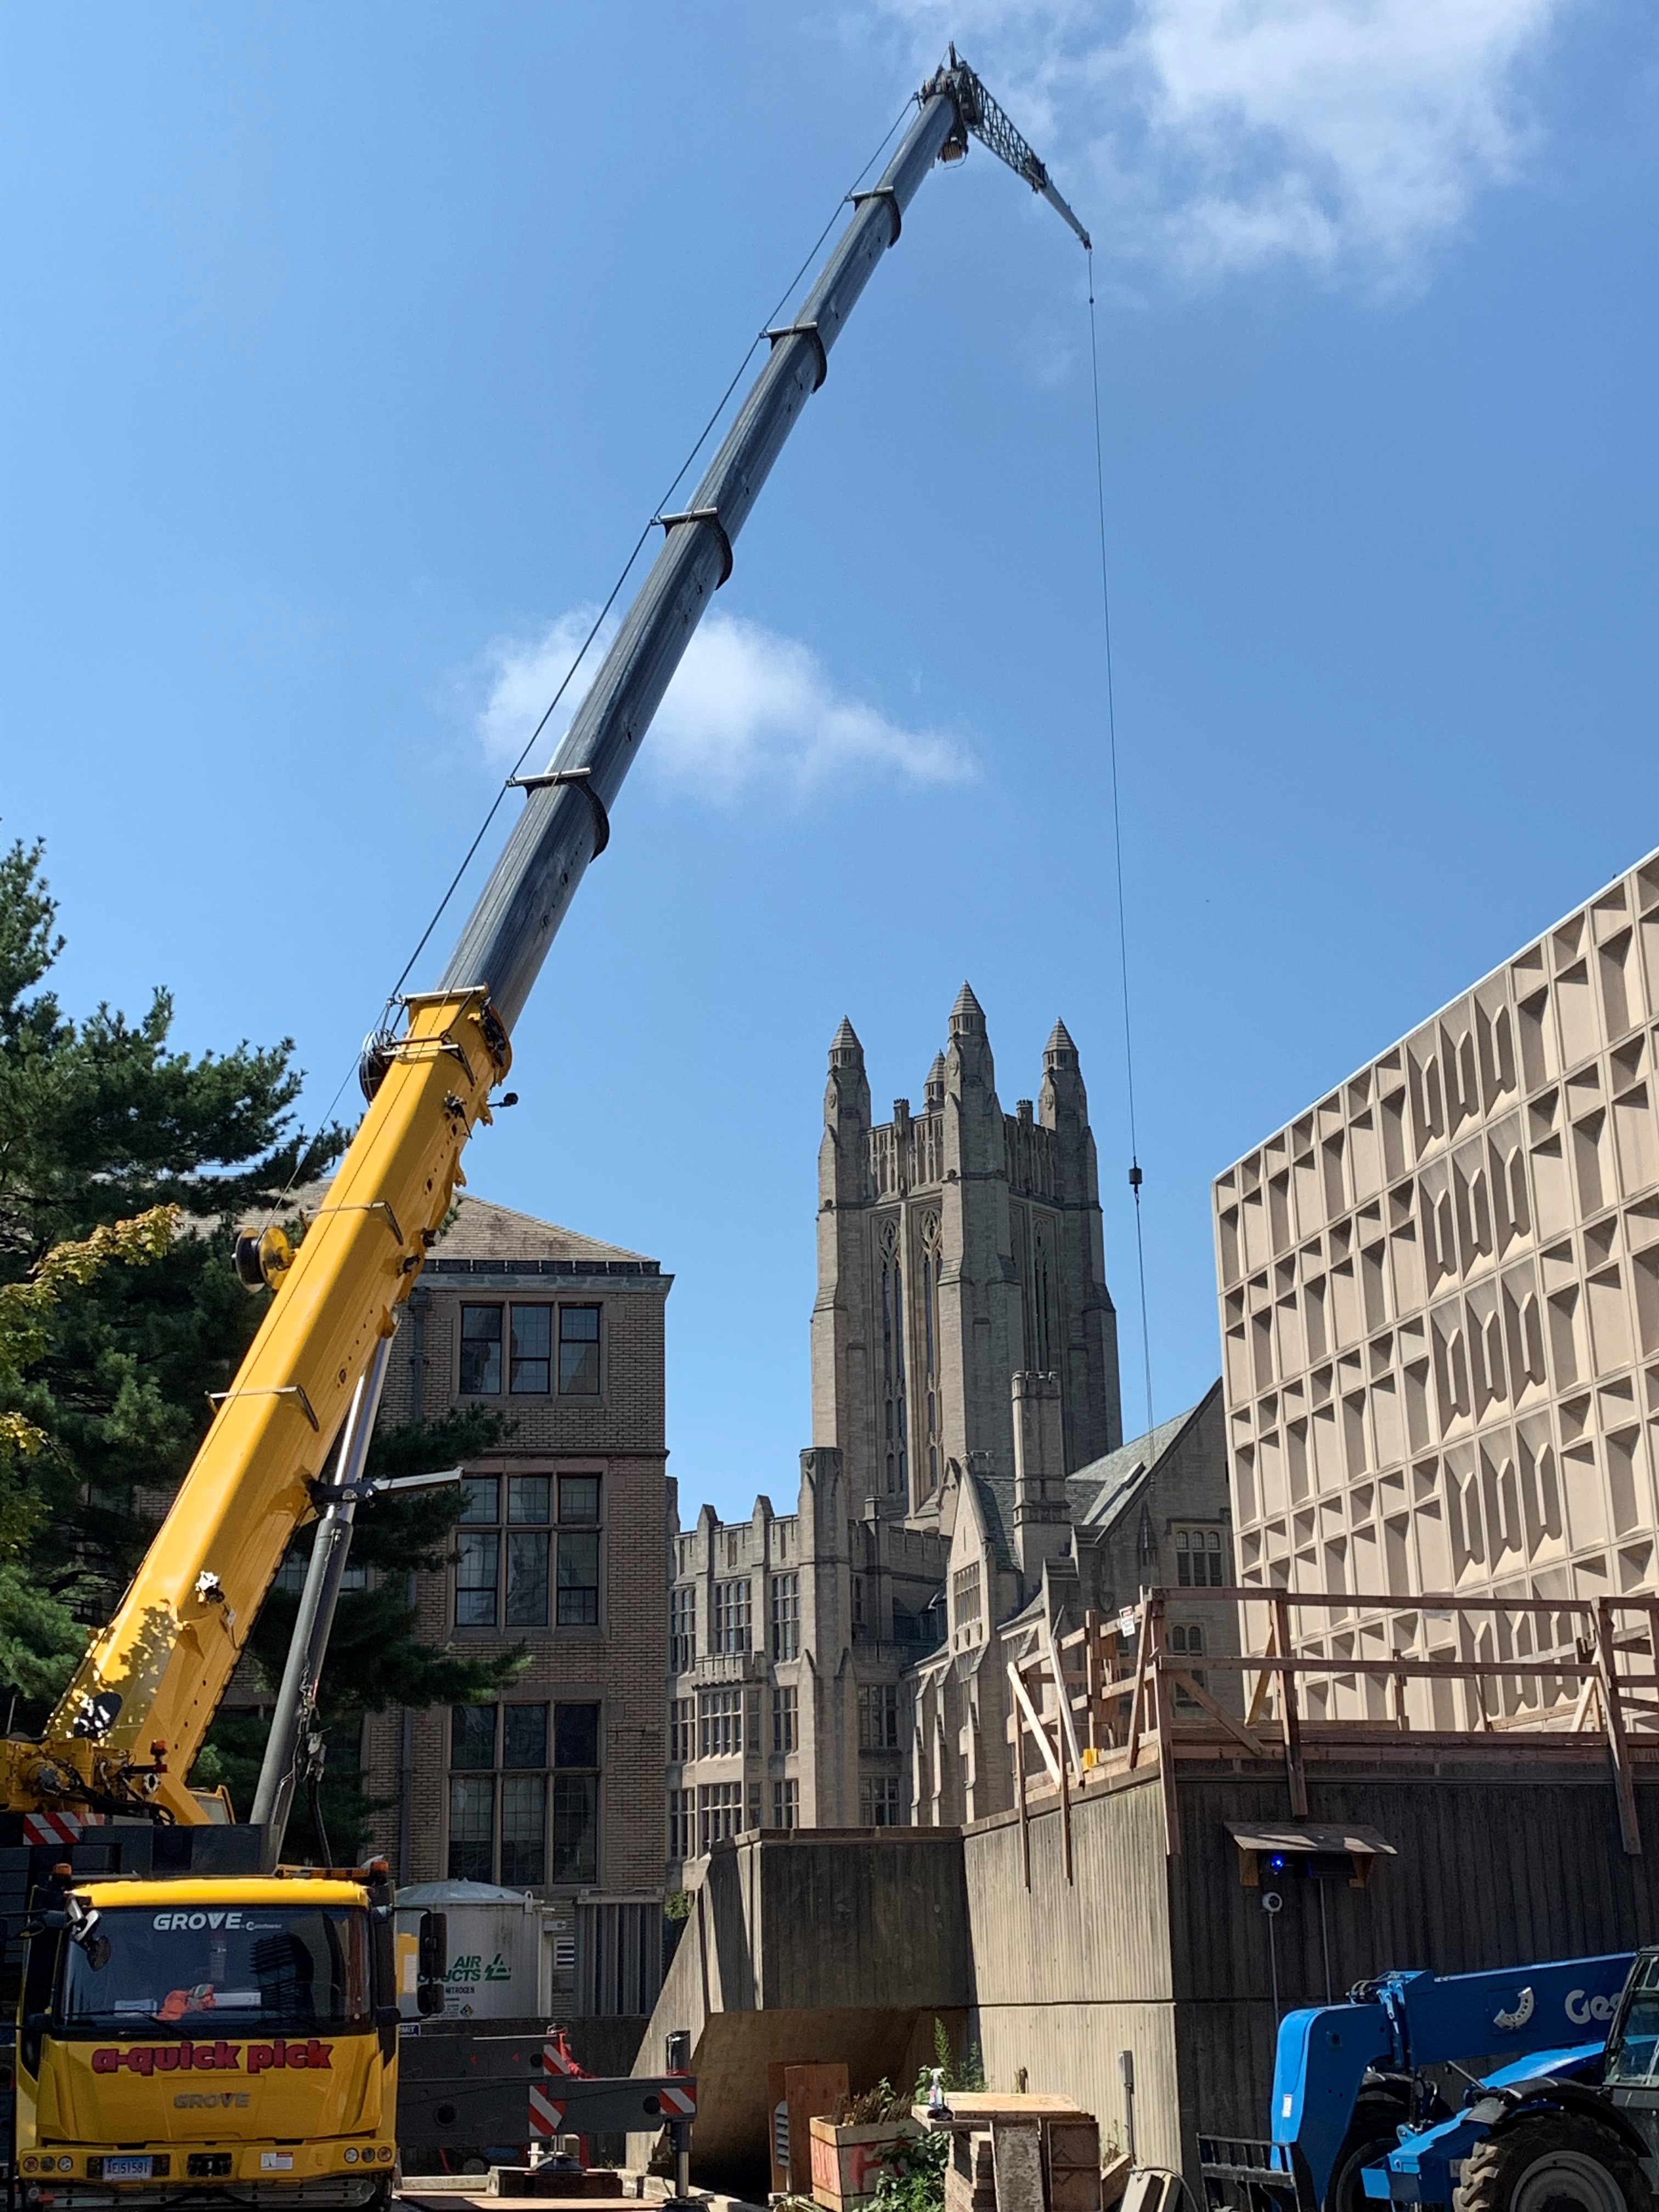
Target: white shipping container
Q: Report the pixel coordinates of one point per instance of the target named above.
(494, 1947)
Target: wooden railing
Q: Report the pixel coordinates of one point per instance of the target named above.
(1103, 1701)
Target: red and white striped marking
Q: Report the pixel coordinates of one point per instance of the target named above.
(52, 1828)
(546, 2113)
(678, 2102)
(557, 2057)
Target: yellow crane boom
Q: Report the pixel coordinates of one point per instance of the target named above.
(156, 1673)
(127, 1730)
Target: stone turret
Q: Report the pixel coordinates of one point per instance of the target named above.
(1091, 1376)
(838, 1335)
(958, 1246)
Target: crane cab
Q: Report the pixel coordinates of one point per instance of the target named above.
(210, 2033)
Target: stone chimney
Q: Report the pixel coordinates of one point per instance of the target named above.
(1042, 1520)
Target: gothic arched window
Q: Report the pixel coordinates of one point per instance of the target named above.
(895, 1431)
(930, 1266)
(1042, 1303)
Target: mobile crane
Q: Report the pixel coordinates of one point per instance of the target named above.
(194, 2019)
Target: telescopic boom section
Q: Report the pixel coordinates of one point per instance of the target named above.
(126, 1731)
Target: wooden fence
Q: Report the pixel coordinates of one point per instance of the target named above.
(1116, 1695)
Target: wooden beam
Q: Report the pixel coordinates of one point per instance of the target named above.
(1289, 1719)
(1258, 1705)
(1165, 1720)
(1062, 1700)
(1196, 1690)
(1137, 1705)
(1093, 1709)
(1630, 1827)
(1231, 1662)
(1387, 1601)
(1036, 1725)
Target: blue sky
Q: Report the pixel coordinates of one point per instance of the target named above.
(346, 350)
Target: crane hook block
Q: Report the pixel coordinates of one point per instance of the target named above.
(262, 1261)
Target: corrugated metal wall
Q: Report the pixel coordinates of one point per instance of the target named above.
(618, 1957)
(1175, 1960)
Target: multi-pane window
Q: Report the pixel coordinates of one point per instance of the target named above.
(575, 1793)
(720, 1811)
(578, 1352)
(512, 1347)
(878, 1717)
(720, 1722)
(682, 1728)
(1201, 1563)
(506, 1557)
(682, 1823)
(530, 1372)
(964, 1592)
(785, 1719)
(1188, 1641)
(291, 1575)
(481, 1352)
(505, 1763)
(785, 1616)
(681, 1629)
(578, 1551)
(785, 1804)
(729, 1630)
(879, 1801)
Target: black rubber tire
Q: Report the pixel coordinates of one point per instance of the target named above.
(1552, 2162)
(1372, 2134)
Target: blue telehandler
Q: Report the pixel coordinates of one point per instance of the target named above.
(1563, 2115)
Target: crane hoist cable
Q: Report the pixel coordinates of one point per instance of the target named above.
(1136, 1177)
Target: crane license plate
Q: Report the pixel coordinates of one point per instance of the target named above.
(128, 2168)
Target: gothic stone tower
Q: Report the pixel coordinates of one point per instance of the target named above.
(957, 1248)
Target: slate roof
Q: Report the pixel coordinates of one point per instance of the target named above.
(996, 1502)
(480, 1230)
(1099, 1492)
(483, 1230)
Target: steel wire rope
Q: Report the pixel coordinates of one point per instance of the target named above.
(1136, 1176)
(627, 569)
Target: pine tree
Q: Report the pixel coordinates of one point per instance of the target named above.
(102, 1120)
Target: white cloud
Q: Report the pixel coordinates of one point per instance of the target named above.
(1214, 136)
(748, 711)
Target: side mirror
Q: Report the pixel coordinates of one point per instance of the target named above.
(432, 1964)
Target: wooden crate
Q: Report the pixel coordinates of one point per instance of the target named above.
(848, 2163)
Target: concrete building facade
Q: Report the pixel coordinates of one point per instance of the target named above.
(1439, 1292)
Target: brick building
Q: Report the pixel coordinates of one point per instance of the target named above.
(556, 1786)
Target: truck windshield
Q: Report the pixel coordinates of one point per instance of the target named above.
(1633, 2054)
(191, 1972)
